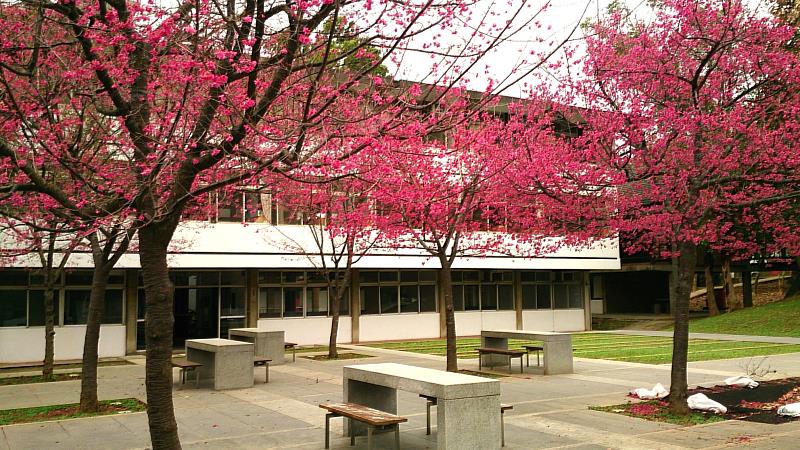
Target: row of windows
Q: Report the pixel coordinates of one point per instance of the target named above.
(25, 307)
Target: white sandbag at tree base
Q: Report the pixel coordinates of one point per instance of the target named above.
(702, 403)
(791, 409)
(741, 382)
(658, 391)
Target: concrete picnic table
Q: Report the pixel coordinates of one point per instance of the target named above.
(557, 348)
(228, 363)
(269, 344)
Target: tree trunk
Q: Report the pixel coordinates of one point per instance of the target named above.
(683, 267)
(732, 299)
(93, 320)
(747, 289)
(793, 287)
(446, 278)
(49, 329)
(153, 241)
(711, 299)
(336, 300)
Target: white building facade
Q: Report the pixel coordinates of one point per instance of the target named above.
(229, 275)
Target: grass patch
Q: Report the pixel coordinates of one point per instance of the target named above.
(658, 411)
(773, 319)
(30, 379)
(345, 355)
(314, 348)
(616, 347)
(68, 411)
(33, 368)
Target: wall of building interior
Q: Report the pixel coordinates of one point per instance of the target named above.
(381, 305)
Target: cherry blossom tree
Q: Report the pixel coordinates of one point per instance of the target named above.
(693, 117)
(201, 95)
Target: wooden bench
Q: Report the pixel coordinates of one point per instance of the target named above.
(532, 348)
(501, 351)
(373, 418)
(293, 347)
(262, 361)
(185, 365)
(431, 401)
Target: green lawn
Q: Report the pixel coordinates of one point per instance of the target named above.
(68, 411)
(617, 347)
(773, 319)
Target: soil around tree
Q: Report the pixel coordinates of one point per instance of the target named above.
(340, 355)
(69, 411)
(759, 404)
(29, 379)
(753, 405)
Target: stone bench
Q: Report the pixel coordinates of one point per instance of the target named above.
(185, 365)
(262, 361)
(501, 351)
(373, 418)
(431, 401)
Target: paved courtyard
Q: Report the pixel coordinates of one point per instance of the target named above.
(549, 411)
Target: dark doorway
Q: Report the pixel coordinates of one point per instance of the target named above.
(196, 313)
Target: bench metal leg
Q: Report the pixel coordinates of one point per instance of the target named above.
(328, 430)
(196, 377)
(183, 375)
(266, 373)
(369, 437)
(520, 365)
(352, 433)
(428, 422)
(502, 428)
(397, 436)
(509, 363)
(527, 359)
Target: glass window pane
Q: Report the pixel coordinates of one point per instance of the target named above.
(269, 277)
(471, 299)
(13, 277)
(409, 276)
(293, 277)
(409, 299)
(36, 308)
(112, 313)
(427, 298)
(388, 299)
(232, 302)
(229, 207)
(293, 302)
(561, 296)
(458, 298)
(505, 297)
(543, 297)
(457, 276)
(13, 308)
(256, 207)
(140, 304)
(316, 278)
(575, 296)
(117, 277)
(388, 276)
(427, 275)
(369, 300)
(228, 323)
(180, 278)
(368, 277)
(233, 278)
(79, 278)
(140, 337)
(317, 301)
(529, 296)
(76, 306)
(489, 297)
(471, 275)
(206, 278)
(269, 302)
(344, 306)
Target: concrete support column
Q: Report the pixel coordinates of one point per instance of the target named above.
(131, 303)
(355, 307)
(252, 298)
(587, 302)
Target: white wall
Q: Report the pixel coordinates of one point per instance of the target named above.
(308, 330)
(553, 320)
(23, 345)
(472, 322)
(398, 326)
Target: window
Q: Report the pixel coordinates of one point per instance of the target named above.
(487, 290)
(317, 301)
(269, 302)
(392, 291)
(552, 290)
(22, 298)
(296, 294)
(13, 308)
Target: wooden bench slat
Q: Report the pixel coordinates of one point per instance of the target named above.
(502, 351)
(183, 363)
(371, 416)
